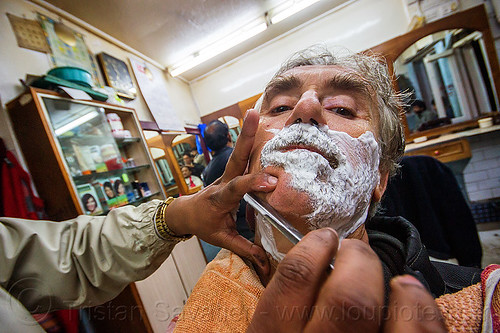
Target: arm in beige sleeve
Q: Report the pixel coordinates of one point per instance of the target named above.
(80, 262)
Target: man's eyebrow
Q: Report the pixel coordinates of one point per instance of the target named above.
(281, 84)
(349, 81)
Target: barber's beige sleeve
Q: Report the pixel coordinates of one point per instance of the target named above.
(80, 262)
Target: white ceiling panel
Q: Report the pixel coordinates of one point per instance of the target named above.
(170, 30)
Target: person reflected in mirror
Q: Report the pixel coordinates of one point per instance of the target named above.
(198, 158)
(192, 181)
(196, 169)
(423, 115)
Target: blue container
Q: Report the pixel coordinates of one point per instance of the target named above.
(73, 74)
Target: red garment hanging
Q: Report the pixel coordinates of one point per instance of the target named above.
(19, 201)
(18, 197)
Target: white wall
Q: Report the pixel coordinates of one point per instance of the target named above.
(16, 62)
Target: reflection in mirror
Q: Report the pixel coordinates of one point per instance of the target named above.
(447, 77)
(184, 148)
(234, 125)
(163, 168)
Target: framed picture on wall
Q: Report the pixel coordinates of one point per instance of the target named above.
(117, 75)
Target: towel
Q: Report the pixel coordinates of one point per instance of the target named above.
(225, 298)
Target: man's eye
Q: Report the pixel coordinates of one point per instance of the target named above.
(343, 112)
(281, 108)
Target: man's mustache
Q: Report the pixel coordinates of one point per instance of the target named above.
(308, 137)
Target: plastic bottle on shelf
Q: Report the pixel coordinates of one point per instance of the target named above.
(116, 125)
(111, 157)
(137, 189)
(95, 152)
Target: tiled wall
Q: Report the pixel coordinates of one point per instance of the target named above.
(482, 173)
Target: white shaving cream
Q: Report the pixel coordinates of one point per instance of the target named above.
(339, 180)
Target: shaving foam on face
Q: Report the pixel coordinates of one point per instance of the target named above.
(266, 237)
(339, 179)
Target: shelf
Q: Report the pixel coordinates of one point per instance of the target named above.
(91, 140)
(122, 142)
(135, 202)
(83, 179)
(143, 199)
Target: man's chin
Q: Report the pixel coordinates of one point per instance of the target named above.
(290, 203)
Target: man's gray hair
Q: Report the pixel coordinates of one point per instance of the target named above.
(372, 70)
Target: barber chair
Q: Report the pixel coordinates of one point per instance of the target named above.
(426, 193)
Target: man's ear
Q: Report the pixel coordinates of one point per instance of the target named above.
(381, 186)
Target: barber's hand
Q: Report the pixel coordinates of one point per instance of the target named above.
(303, 297)
(208, 213)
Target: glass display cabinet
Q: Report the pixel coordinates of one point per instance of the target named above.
(85, 157)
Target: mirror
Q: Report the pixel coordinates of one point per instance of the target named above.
(446, 74)
(234, 125)
(185, 151)
(450, 68)
(166, 175)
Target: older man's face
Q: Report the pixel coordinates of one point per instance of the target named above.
(327, 97)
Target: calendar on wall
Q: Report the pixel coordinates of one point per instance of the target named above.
(29, 34)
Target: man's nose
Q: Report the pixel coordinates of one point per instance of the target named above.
(307, 110)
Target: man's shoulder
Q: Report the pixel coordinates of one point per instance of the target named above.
(221, 157)
(215, 168)
(397, 243)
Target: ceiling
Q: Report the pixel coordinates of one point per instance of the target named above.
(169, 30)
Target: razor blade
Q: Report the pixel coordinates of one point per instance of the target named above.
(275, 219)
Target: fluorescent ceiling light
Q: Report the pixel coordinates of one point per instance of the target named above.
(283, 11)
(220, 46)
(289, 8)
(76, 122)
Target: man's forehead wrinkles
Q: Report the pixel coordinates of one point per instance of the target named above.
(337, 80)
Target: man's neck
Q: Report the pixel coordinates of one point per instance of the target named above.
(222, 149)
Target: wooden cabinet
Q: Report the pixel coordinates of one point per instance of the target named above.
(79, 163)
(445, 152)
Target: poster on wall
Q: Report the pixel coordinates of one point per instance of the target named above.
(90, 199)
(67, 47)
(153, 88)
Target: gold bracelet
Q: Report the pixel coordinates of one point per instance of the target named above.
(161, 227)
